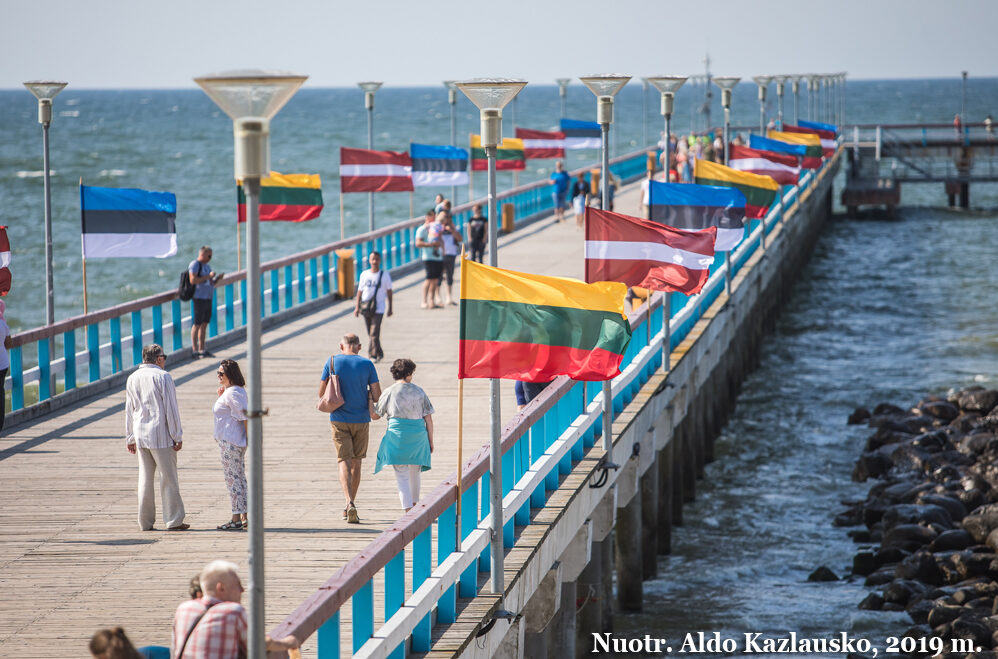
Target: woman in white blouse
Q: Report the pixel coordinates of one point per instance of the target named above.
(230, 433)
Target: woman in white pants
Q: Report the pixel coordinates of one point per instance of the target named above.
(408, 441)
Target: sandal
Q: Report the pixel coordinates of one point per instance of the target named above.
(230, 526)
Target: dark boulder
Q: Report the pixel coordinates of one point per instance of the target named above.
(822, 574)
(871, 465)
(965, 422)
(918, 610)
(952, 539)
(851, 517)
(957, 511)
(971, 627)
(882, 576)
(872, 602)
(900, 591)
(915, 514)
(944, 613)
(887, 408)
(921, 566)
(908, 536)
(940, 409)
(983, 400)
(981, 521)
(859, 415)
(892, 432)
(864, 563)
(861, 536)
(890, 555)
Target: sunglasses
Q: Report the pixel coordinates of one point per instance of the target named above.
(221, 374)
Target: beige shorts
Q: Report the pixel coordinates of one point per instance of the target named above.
(350, 440)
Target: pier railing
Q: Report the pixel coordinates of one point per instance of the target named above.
(538, 445)
(59, 358)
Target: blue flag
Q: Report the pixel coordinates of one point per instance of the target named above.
(696, 207)
(438, 165)
(817, 125)
(581, 134)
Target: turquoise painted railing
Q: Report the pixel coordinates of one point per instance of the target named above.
(84, 349)
(539, 444)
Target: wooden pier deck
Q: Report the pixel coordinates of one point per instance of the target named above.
(72, 559)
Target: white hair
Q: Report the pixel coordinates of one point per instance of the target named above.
(213, 572)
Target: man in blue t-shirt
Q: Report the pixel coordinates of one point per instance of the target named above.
(204, 281)
(560, 182)
(351, 422)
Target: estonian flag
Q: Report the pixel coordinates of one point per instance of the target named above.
(123, 222)
(438, 165)
(581, 134)
(697, 207)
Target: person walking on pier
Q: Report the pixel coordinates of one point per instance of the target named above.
(580, 197)
(351, 422)
(230, 433)
(431, 253)
(560, 181)
(5, 345)
(478, 233)
(153, 432)
(374, 301)
(204, 281)
(452, 240)
(408, 441)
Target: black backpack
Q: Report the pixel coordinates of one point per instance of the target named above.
(186, 289)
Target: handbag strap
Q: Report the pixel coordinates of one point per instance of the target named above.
(381, 274)
(183, 646)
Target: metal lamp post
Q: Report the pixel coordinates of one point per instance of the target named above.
(763, 83)
(491, 95)
(369, 88)
(45, 91)
(667, 86)
(452, 100)
(605, 87)
(252, 98)
(795, 87)
(726, 83)
(812, 96)
(963, 96)
(842, 100)
(563, 93)
(780, 81)
(644, 111)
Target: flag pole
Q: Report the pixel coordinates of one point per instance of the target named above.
(460, 399)
(239, 246)
(411, 211)
(83, 250)
(342, 232)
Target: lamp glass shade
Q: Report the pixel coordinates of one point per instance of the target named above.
(667, 84)
(781, 79)
(796, 77)
(251, 93)
(563, 82)
(45, 89)
(450, 84)
(491, 93)
(370, 86)
(605, 84)
(762, 81)
(725, 82)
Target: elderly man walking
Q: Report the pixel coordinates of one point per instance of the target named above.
(153, 432)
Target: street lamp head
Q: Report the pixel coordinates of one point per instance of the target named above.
(726, 83)
(812, 80)
(667, 85)
(251, 98)
(563, 85)
(369, 88)
(44, 91)
(605, 86)
(763, 83)
(780, 80)
(491, 95)
(451, 86)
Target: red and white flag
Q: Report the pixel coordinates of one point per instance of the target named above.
(541, 144)
(4, 262)
(362, 170)
(781, 167)
(644, 253)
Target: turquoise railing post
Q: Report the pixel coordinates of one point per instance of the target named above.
(213, 322)
(288, 287)
(301, 282)
(395, 594)
(408, 244)
(262, 283)
(17, 379)
(390, 250)
(178, 325)
(447, 532)
(380, 247)
(574, 406)
(550, 435)
(563, 421)
(242, 297)
(325, 274)
(522, 457)
(469, 521)
(508, 475)
(313, 269)
(363, 615)
(44, 370)
(136, 338)
(93, 351)
(327, 639)
(422, 548)
(115, 323)
(537, 447)
(69, 353)
(157, 325)
(275, 287)
(358, 261)
(484, 509)
(230, 307)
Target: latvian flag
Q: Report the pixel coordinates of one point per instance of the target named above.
(285, 197)
(782, 168)
(509, 155)
(696, 207)
(581, 134)
(827, 136)
(438, 165)
(644, 253)
(123, 222)
(4, 262)
(362, 170)
(811, 142)
(539, 144)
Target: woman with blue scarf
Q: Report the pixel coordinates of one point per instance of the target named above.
(408, 442)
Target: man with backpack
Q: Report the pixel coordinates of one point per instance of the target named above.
(203, 280)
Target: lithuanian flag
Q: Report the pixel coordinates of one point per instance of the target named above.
(509, 155)
(535, 328)
(811, 142)
(760, 191)
(288, 197)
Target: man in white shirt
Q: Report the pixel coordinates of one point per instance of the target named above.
(374, 300)
(153, 432)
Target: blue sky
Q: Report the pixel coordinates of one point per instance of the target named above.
(141, 44)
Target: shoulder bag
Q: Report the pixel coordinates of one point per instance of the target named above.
(331, 398)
